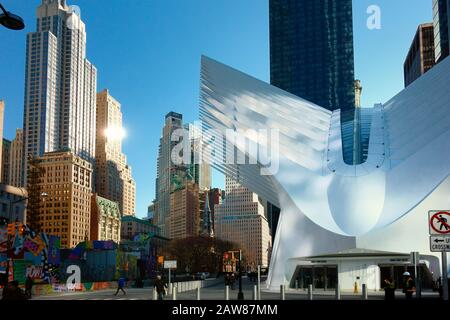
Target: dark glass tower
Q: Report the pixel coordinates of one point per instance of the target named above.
(311, 51)
(441, 17)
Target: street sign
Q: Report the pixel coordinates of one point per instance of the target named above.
(440, 244)
(439, 222)
(170, 264)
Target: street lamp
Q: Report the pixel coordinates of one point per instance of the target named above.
(11, 21)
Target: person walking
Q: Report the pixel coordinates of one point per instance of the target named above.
(389, 288)
(409, 286)
(160, 286)
(28, 286)
(12, 292)
(120, 286)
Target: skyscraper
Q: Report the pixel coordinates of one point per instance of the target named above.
(420, 56)
(6, 154)
(59, 188)
(113, 179)
(173, 177)
(16, 160)
(311, 51)
(441, 18)
(60, 85)
(2, 112)
(184, 218)
(169, 176)
(240, 219)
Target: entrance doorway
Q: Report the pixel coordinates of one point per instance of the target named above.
(320, 276)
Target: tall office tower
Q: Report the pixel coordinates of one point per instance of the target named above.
(358, 93)
(184, 218)
(311, 56)
(311, 50)
(151, 210)
(240, 219)
(420, 56)
(6, 154)
(59, 189)
(113, 179)
(169, 175)
(441, 18)
(60, 85)
(16, 160)
(199, 169)
(2, 113)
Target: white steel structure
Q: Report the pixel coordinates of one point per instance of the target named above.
(326, 205)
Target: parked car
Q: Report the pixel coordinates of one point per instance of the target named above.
(202, 275)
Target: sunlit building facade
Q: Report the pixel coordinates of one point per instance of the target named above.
(113, 179)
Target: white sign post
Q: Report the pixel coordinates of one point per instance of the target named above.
(439, 225)
(170, 264)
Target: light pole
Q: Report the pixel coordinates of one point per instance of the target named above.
(11, 21)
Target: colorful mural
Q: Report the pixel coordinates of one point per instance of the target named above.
(28, 254)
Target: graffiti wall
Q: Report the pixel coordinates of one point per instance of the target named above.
(28, 254)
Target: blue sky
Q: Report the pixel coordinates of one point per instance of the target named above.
(147, 53)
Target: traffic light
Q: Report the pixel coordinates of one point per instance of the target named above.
(11, 229)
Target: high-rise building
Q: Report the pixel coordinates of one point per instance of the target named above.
(60, 85)
(420, 56)
(113, 179)
(184, 218)
(6, 154)
(174, 176)
(16, 160)
(105, 219)
(151, 211)
(169, 175)
(312, 56)
(311, 51)
(240, 219)
(199, 171)
(441, 18)
(2, 113)
(59, 188)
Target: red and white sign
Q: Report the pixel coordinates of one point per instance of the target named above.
(439, 222)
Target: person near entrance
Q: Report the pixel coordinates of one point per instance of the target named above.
(409, 286)
(389, 288)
